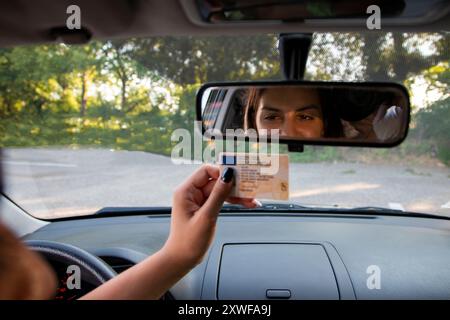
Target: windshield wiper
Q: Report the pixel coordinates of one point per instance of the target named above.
(108, 212)
(378, 209)
(295, 208)
(267, 207)
(132, 210)
(396, 212)
(277, 207)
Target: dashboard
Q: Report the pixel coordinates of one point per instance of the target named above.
(284, 256)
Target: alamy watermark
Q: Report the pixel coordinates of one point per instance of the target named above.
(374, 280)
(234, 140)
(373, 22)
(74, 277)
(74, 19)
(263, 145)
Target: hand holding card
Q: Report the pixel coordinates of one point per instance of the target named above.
(251, 181)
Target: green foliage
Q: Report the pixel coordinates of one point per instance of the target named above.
(133, 132)
(193, 60)
(433, 125)
(131, 94)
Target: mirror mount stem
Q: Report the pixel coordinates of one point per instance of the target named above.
(294, 50)
(295, 147)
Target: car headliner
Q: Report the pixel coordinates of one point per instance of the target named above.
(28, 22)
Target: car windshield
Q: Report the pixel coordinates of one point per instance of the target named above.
(87, 127)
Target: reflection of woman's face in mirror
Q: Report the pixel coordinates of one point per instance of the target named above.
(296, 112)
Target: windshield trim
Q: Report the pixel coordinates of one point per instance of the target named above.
(231, 210)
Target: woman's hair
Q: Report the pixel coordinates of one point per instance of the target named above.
(1, 172)
(251, 107)
(331, 121)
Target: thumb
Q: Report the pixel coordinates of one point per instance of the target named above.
(219, 194)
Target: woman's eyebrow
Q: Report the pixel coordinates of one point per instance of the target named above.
(268, 108)
(309, 106)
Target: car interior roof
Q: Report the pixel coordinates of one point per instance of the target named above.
(29, 22)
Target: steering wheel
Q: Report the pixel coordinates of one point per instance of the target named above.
(93, 270)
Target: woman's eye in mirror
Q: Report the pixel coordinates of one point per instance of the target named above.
(305, 117)
(271, 117)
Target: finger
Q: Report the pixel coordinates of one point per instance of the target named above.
(203, 175)
(246, 202)
(219, 193)
(207, 189)
(381, 112)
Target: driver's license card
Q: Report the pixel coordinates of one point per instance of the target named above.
(258, 177)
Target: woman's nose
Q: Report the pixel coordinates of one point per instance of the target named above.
(288, 128)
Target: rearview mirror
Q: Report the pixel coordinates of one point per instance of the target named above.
(318, 113)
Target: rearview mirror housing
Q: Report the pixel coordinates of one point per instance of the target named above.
(363, 114)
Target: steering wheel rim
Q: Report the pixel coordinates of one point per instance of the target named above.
(95, 268)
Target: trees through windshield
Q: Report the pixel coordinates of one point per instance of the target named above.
(131, 94)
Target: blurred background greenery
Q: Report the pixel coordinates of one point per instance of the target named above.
(131, 94)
